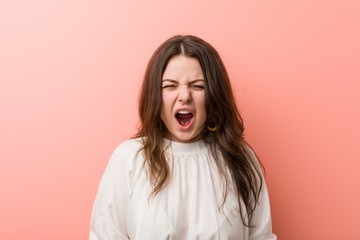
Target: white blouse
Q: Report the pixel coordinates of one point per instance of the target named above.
(190, 207)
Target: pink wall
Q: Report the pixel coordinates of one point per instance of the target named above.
(70, 72)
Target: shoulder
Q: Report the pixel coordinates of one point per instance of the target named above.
(128, 147)
(126, 153)
(253, 156)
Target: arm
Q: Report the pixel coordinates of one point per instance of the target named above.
(261, 221)
(108, 218)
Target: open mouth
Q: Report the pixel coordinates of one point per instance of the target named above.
(184, 117)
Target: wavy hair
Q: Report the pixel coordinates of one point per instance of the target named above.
(227, 143)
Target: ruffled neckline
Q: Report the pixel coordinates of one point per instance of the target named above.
(184, 148)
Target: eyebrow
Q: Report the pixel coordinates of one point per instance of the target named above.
(191, 82)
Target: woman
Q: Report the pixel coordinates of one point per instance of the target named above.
(188, 173)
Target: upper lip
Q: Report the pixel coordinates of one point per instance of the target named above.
(184, 108)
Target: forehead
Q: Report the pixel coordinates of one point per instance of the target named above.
(183, 67)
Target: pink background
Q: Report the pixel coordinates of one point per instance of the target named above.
(70, 73)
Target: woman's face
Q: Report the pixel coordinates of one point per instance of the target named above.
(183, 99)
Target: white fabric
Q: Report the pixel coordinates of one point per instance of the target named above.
(188, 208)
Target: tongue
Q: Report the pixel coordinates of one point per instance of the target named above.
(184, 116)
(184, 119)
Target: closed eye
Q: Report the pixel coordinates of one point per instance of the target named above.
(198, 87)
(197, 84)
(169, 84)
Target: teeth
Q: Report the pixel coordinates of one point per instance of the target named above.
(183, 112)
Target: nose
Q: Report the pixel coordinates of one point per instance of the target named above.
(184, 94)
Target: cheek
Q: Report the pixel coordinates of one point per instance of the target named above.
(202, 109)
(167, 101)
(165, 107)
(163, 112)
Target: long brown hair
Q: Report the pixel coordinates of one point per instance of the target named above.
(227, 143)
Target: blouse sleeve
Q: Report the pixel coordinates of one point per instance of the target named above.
(108, 218)
(261, 225)
(261, 221)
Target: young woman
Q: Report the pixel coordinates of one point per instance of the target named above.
(188, 173)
